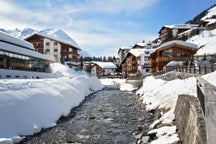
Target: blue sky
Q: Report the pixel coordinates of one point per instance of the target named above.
(100, 27)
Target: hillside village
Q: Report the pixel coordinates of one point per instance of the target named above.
(29, 57)
(189, 44)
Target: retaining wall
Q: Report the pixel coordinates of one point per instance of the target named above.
(190, 120)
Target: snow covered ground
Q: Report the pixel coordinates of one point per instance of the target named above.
(206, 42)
(26, 106)
(158, 93)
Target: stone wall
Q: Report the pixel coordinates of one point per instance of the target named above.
(190, 121)
(175, 75)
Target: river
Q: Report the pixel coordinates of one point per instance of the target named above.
(109, 116)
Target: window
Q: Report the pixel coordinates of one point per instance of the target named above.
(47, 43)
(55, 43)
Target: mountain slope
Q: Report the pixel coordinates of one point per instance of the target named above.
(208, 13)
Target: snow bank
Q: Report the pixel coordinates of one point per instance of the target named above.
(26, 106)
(116, 82)
(158, 93)
(161, 94)
(206, 42)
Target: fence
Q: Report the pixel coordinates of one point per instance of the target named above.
(207, 97)
(192, 69)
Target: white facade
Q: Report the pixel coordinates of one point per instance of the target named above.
(18, 74)
(54, 49)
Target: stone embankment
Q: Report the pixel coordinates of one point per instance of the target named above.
(189, 117)
(175, 75)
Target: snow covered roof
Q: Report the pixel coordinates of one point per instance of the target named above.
(106, 65)
(210, 21)
(180, 26)
(140, 52)
(15, 45)
(55, 37)
(179, 42)
(137, 52)
(10, 39)
(175, 63)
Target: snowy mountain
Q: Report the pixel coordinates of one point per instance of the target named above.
(55, 33)
(206, 40)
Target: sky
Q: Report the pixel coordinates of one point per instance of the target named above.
(100, 27)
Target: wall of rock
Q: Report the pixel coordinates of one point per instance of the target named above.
(189, 120)
(175, 75)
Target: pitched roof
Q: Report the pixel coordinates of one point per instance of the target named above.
(15, 45)
(106, 65)
(179, 42)
(73, 44)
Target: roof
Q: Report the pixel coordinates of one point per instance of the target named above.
(179, 42)
(73, 44)
(106, 65)
(15, 41)
(179, 26)
(15, 45)
(140, 52)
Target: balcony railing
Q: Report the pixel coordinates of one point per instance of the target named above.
(167, 59)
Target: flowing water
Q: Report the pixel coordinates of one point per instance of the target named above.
(107, 117)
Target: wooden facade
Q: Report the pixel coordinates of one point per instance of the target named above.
(62, 51)
(171, 52)
(167, 32)
(130, 66)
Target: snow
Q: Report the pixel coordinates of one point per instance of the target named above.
(206, 42)
(175, 63)
(106, 65)
(13, 40)
(109, 82)
(15, 45)
(158, 93)
(27, 105)
(179, 42)
(211, 12)
(59, 35)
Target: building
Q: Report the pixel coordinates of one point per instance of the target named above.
(18, 59)
(175, 50)
(62, 50)
(167, 32)
(101, 69)
(122, 52)
(136, 62)
(209, 24)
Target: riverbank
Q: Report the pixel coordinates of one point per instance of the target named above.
(108, 116)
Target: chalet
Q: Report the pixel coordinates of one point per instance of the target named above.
(136, 62)
(122, 52)
(18, 59)
(101, 69)
(62, 50)
(175, 50)
(168, 31)
(209, 24)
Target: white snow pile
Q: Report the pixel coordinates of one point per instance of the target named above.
(206, 42)
(123, 85)
(27, 105)
(157, 93)
(116, 82)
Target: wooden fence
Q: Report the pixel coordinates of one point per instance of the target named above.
(192, 69)
(207, 97)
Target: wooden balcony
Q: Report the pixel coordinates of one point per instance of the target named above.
(168, 59)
